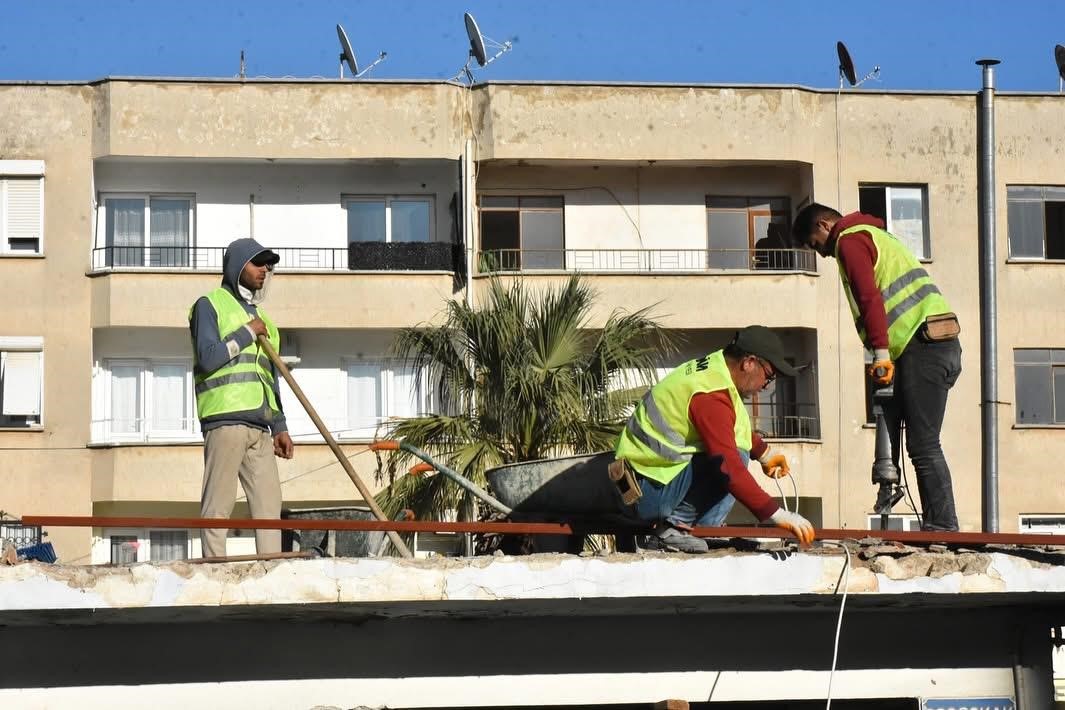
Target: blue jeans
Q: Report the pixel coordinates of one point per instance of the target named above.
(698, 496)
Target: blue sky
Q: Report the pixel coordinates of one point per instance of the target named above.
(925, 44)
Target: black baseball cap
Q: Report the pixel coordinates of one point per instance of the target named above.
(764, 343)
(265, 258)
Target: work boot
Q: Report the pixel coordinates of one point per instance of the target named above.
(667, 537)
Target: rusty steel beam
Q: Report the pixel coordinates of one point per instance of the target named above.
(943, 538)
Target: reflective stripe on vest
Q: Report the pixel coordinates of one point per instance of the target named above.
(245, 382)
(659, 439)
(905, 287)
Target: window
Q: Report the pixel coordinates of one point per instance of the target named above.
(1040, 380)
(389, 219)
(904, 209)
(776, 413)
(522, 233)
(147, 230)
(21, 381)
(736, 225)
(901, 522)
(129, 546)
(146, 400)
(1036, 222)
(1052, 524)
(21, 207)
(380, 390)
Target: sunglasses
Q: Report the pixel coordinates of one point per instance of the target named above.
(770, 373)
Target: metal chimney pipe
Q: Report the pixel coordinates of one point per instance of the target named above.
(988, 312)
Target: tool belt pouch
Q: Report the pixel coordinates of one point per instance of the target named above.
(623, 477)
(941, 327)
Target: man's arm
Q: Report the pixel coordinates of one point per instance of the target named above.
(857, 254)
(715, 419)
(212, 351)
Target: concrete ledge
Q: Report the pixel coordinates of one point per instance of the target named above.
(742, 576)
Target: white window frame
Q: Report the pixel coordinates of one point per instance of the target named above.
(144, 403)
(1041, 523)
(147, 197)
(387, 367)
(27, 344)
(926, 236)
(144, 543)
(21, 170)
(909, 521)
(345, 200)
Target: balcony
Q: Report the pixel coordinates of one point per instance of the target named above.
(654, 261)
(787, 421)
(358, 256)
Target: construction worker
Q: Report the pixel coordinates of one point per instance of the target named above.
(904, 320)
(237, 396)
(689, 442)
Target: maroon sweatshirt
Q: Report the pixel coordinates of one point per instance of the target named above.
(715, 420)
(857, 255)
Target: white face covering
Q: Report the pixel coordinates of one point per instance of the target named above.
(258, 296)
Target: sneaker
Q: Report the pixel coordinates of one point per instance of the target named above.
(670, 538)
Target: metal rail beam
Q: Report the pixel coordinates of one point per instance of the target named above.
(406, 526)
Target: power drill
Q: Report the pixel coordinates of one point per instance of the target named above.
(885, 472)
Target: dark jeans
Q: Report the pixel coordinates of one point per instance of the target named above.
(698, 496)
(924, 373)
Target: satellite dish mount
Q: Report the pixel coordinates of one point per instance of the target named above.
(479, 46)
(347, 54)
(846, 68)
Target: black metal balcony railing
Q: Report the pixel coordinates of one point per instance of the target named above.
(787, 421)
(647, 260)
(358, 256)
(18, 534)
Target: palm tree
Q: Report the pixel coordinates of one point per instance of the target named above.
(519, 378)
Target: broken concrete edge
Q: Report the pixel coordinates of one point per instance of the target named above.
(34, 586)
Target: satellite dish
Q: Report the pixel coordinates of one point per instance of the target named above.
(1059, 59)
(846, 64)
(846, 68)
(476, 40)
(479, 48)
(347, 54)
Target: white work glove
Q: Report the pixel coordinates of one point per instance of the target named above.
(774, 464)
(798, 525)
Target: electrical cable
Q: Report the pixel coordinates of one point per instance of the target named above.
(783, 498)
(905, 483)
(845, 578)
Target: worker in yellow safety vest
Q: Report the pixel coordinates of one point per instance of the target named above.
(689, 442)
(237, 397)
(904, 320)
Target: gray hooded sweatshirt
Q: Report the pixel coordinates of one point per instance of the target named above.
(212, 352)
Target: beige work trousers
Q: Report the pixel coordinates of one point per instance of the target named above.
(244, 452)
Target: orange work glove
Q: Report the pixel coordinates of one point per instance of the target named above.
(882, 371)
(798, 525)
(774, 464)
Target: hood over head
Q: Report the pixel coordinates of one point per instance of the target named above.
(238, 254)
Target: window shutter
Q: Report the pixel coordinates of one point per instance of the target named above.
(21, 377)
(23, 209)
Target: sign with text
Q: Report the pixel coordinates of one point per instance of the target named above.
(968, 704)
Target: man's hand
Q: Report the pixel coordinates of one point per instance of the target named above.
(257, 326)
(882, 371)
(283, 445)
(798, 525)
(774, 464)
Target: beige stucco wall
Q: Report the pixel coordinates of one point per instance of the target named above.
(783, 137)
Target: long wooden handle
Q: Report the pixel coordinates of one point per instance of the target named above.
(397, 541)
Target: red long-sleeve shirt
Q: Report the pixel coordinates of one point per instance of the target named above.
(715, 419)
(857, 255)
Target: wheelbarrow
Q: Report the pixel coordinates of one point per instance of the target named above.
(577, 490)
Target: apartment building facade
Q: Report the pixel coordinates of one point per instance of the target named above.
(387, 199)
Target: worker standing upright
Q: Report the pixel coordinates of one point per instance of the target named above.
(237, 396)
(903, 318)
